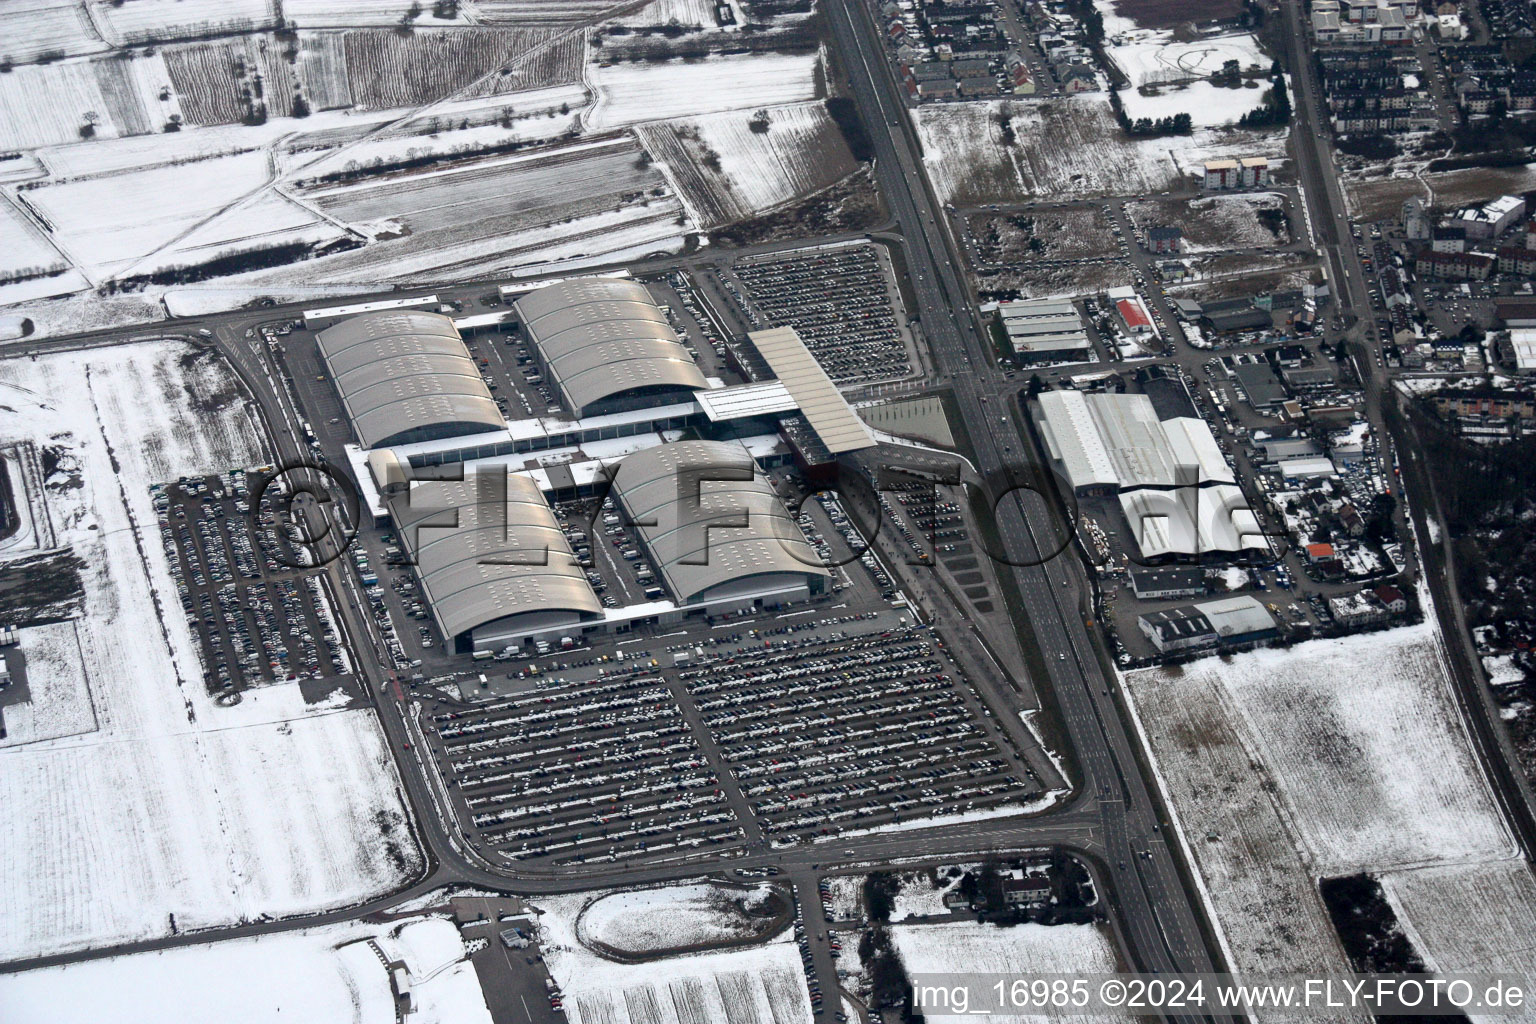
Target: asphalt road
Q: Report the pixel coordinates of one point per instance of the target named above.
(1158, 915)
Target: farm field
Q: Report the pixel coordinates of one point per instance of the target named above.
(1129, 15)
(1473, 918)
(1070, 148)
(494, 193)
(1214, 223)
(542, 12)
(216, 80)
(30, 29)
(143, 21)
(23, 251)
(763, 982)
(49, 104)
(727, 172)
(1381, 198)
(1283, 766)
(635, 93)
(317, 974)
(171, 813)
(385, 69)
(969, 947)
(347, 13)
(107, 223)
(699, 13)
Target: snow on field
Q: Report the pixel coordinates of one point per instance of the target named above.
(1376, 770)
(969, 947)
(635, 93)
(675, 916)
(22, 249)
(920, 897)
(1468, 919)
(1155, 56)
(1266, 907)
(1282, 766)
(138, 21)
(107, 223)
(1068, 147)
(763, 982)
(671, 12)
(60, 704)
(319, 974)
(46, 104)
(348, 13)
(801, 152)
(1207, 105)
(31, 28)
(847, 896)
(171, 806)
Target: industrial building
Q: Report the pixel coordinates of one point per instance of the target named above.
(1173, 484)
(404, 376)
(607, 346)
(472, 493)
(1042, 330)
(1230, 622)
(715, 528)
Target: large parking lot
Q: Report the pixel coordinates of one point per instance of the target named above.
(793, 729)
(842, 301)
(257, 614)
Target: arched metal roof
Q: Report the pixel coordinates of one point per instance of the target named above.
(709, 517)
(405, 375)
(481, 559)
(601, 337)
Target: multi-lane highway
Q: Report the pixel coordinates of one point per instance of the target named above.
(1159, 916)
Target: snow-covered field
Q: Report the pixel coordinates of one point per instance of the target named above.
(968, 947)
(1066, 148)
(672, 917)
(635, 93)
(919, 896)
(1156, 59)
(1283, 766)
(106, 223)
(762, 984)
(802, 152)
(330, 974)
(1376, 771)
(151, 809)
(1468, 919)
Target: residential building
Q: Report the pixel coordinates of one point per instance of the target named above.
(1164, 240)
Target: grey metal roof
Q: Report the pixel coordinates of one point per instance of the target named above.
(480, 559)
(405, 375)
(602, 337)
(822, 405)
(703, 528)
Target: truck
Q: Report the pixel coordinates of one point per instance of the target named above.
(484, 655)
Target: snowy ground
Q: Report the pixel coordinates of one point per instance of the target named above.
(1155, 60)
(1283, 766)
(919, 896)
(330, 974)
(675, 916)
(138, 799)
(635, 93)
(847, 896)
(1066, 148)
(761, 984)
(801, 152)
(972, 948)
(1468, 919)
